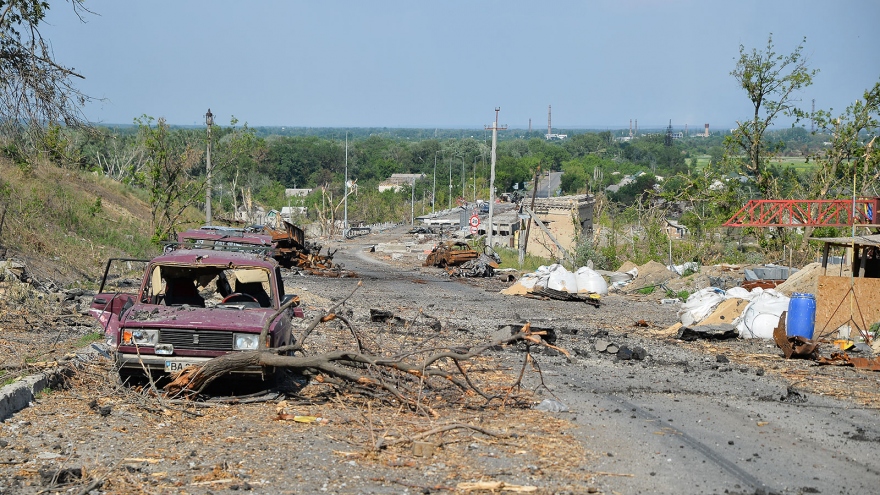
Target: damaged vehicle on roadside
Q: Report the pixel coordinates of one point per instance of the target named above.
(194, 305)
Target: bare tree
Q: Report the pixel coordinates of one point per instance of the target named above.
(35, 90)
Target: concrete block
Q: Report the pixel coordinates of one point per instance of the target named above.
(16, 396)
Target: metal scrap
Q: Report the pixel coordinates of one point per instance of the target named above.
(794, 347)
(843, 359)
(451, 253)
(292, 250)
(546, 292)
(484, 266)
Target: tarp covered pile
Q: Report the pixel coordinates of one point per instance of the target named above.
(754, 314)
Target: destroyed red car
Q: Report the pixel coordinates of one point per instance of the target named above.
(194, 305)
(288, 245)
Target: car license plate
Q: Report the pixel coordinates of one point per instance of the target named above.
(175, 366)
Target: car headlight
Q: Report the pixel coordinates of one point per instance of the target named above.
(140, 337)
(245, 341)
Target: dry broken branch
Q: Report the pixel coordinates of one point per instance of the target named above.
(397, 377)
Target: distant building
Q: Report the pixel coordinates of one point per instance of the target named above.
(557, 137)
(397, 181)
(567, 218)
(675, 230)
(297, 193)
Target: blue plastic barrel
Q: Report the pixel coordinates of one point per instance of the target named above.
(801, 317)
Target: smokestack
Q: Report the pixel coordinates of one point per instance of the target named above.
(549, 126)
(630, 128)
(706, 132)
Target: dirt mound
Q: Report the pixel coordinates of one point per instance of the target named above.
(804, 280)
(627, 266)
(650, 274)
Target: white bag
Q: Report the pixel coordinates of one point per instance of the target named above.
(590, 282)
(761, 316)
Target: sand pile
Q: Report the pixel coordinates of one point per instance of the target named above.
(807, 279)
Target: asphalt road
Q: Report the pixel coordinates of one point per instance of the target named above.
(683, 420)
(677, 422)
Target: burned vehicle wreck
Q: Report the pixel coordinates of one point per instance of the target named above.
(288, 245)
(195, 305)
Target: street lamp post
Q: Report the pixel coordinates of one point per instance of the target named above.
(209, 120)
(345, 192)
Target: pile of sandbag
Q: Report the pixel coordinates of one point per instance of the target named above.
(556, 277)
(754, 314)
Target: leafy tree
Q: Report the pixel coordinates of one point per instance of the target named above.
(574, 177)
(35, 90)
(639, 190)
(771, 82)
(852, 133)
(168, 176)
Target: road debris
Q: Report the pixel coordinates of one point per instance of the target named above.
(551, 405)
(720, 331)
(795, 346)
(451, 253)
(495, 486)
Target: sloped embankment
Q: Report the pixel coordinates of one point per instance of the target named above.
(64, 224)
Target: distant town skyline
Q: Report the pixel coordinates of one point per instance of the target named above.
(403, 64)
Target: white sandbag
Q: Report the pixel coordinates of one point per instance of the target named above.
(739, 293)
(761, 316)
(700, 305)
(562, 280)
(528, 280)
(590, 282)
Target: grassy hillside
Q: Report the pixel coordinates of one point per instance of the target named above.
(64, 224)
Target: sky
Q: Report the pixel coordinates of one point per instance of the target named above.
(450, 63)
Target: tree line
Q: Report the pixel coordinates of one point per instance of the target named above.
(697, 179)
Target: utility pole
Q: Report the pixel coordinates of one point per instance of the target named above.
(345, 192)
(412, 203)
(434, 188)
(463, 180)
(209, 120)
(495, 128)
(449, 200)
(525, 242)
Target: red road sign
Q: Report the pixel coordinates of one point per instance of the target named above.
(474, 229)
(475, 220)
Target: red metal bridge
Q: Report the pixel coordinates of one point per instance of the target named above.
(806, 213)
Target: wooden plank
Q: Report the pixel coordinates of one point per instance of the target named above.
(833, 307)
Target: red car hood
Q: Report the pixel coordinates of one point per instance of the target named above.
(236, 320)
